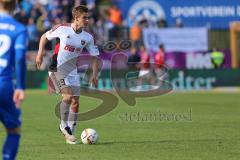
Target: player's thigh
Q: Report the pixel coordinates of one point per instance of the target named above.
(76, 91)
(68, 86)
(74, 83)
(75, 100)
(67, 93)
(58, 83)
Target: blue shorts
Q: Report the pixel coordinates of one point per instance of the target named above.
(9, 114)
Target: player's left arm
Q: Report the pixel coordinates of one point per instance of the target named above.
(20, 47)
(94, 52)
(95, 70)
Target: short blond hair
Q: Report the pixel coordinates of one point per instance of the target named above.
(78, 10)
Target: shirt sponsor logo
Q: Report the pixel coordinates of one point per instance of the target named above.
(72, 48)
(69, 48)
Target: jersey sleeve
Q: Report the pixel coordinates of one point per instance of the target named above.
(55, 32)
(21, 40)
(20, 47)
(92, 48)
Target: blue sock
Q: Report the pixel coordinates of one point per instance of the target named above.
(10, 147)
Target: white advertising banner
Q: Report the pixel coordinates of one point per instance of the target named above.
(176, 39)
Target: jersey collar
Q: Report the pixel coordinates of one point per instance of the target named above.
(74, 30)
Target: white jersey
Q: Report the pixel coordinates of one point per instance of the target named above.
(71, 45)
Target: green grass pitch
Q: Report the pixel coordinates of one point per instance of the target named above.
(192, 126)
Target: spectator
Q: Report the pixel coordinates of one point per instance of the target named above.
(32, 30)
(37, 11)
(115, 15)
(159, 68)
(53, 5)
(99, 30)
(133, 58)
(135, 34)
(143, 23)
(43, 23)
(145, 74)
(26, 6)
(44, 3)
(145, 61)
(77, 2)
(32, 34)
(93, 10)
(115, 18)
(67, 9)
(22, 17)
(54, 15)
(159, 57)
(162, 23)
(179, 23)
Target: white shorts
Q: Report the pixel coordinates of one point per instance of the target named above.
(60, 82)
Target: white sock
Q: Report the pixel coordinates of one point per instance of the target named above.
(64, 111)
(72, 121)
(64, 124)
(72, 125)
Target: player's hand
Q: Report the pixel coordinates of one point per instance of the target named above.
(18, 97)
(39, 60)
(94, 80)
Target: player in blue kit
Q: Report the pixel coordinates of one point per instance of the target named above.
(13, 41)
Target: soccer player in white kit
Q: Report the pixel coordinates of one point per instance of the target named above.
(73, 39)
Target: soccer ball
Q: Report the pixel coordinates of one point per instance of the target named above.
(89, 136)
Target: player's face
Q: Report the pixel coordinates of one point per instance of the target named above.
(82, 20)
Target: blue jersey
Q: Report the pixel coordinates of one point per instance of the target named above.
(13, 45)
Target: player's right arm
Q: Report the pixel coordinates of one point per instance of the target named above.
(55, 32)
(41, 50)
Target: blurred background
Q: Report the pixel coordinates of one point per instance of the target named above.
(198, 41)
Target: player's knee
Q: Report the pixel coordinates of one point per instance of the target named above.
(14, 130)
(67, 99)
(75, 102)
(66, 91)
(74, 109)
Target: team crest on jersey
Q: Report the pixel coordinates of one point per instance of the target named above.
(83, 42)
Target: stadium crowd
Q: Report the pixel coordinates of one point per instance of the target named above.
(41, 15)
(105, 22)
